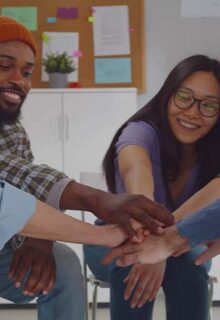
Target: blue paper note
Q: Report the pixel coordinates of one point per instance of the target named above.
(51, 19)
(113, 70)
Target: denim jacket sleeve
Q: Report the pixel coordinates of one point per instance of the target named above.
(16, 208)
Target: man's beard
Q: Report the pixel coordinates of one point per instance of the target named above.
(11, 114)
(10, 117)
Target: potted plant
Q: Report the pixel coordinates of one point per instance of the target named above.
(58, 66)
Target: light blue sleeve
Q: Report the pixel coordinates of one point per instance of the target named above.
(202, 226)
(16, 208)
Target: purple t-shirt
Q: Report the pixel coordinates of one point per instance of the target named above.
(143, 134)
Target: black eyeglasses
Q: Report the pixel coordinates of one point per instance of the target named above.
(207, 107)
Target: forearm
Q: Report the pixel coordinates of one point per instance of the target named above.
(174, 240)
(139, 180)
(202, 226)
(81, 197)
(201, 199)
(48, 223)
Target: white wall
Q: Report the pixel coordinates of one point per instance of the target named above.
(170, 38)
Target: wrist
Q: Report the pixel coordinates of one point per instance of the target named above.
(111, 235)
(174, 240)
(80, 197)
(39, 243)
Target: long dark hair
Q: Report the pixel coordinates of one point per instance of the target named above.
(155, 113)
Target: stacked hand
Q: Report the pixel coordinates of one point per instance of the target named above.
(121, 208)
(143, 283)
(153, 249)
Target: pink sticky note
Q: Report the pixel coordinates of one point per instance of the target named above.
(131, 29)
(77, 54)
(67, 13)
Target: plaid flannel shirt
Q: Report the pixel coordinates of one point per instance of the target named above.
(17, 168)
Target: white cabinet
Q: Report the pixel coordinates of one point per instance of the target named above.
(215, 271)
(42, 119)
(71, 129)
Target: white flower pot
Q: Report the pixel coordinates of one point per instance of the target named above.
(58, 80)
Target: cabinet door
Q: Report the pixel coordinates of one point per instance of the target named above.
(91, 119)
(215, 271)
(42, 119)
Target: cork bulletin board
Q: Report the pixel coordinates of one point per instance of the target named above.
(86, 65)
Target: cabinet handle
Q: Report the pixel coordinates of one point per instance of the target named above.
(66, 128)
(60, 128)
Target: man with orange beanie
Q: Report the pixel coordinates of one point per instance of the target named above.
(38, 268)
(35, 268)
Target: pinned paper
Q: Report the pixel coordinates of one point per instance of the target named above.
(51, 19)
(67, 13)
(45, 38)
(60, 42)
(91, 19)
(25, 15)
(111, 31)
(113, 70)
(77, 54)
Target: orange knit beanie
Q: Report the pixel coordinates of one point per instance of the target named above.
(11, 30)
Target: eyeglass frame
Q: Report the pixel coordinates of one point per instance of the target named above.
(193, 102)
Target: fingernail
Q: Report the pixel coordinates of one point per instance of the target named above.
(25, 293)
(45, 292)
(17, 284)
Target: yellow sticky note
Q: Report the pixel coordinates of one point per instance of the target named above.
(91, 19)
(45, 38)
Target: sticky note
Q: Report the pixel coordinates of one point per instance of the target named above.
(51, 19)
(77, 54)
(91, 19)
(67, 13)
(45, 38)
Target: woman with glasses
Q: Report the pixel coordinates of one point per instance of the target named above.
(167, 151)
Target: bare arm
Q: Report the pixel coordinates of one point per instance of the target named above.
(115, 208)
(136, 170)
(48, 223)
(199, 200)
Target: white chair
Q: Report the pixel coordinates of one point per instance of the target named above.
(95, 180)
(212, 280)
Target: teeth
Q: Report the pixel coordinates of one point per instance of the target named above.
(13, 96)
(188, 125)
